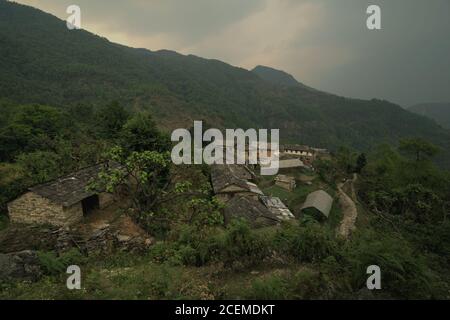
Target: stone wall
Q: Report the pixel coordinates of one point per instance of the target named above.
(32, 208)
(105, 199)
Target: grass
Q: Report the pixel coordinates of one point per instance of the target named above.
(133, 277)
(294, 199)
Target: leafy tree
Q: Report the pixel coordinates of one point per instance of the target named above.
(361, 162)
(39, 166)
(146, 175)
(418, 149)
(141, 134)
(110, 119)
(420, 203)
(31, 128)
(346, 159)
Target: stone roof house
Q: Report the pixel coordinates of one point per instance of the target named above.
(277, 207)
(318, 204)
(230, 180)
(285, 182)
(61, 202)
(305, 153)
(257, 212)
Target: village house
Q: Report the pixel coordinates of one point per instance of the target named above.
(260, 213)
(318, 204)
(277, 207)
(243, 199)
(62, 202)
(231, 151)
(304, 153)
(231, 180)
(285, 182)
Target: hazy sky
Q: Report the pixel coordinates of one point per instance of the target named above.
(323, 43)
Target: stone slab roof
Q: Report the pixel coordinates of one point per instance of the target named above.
(69, 189)
(224, 175)
(277, 207)
(252, 210)
(295, 147)
(291, 163)
(284, 178)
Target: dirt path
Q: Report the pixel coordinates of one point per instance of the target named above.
(349, 209)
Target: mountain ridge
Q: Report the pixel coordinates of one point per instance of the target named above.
(438, 111)
(41, 61)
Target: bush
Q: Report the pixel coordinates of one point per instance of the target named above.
(269, 288)
(53, 264)
(306, 242)
(404, 272)
(197, 248)
(243, 245)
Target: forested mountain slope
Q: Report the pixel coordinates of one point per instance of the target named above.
(439, 112)
(41, 61)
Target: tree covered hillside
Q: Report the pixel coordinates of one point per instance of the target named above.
(41, 61)
(439, 112)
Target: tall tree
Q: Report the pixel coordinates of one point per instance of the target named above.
(418, 149)
(110, 119)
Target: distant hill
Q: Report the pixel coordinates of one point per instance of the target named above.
(41, 61)
(439, 112)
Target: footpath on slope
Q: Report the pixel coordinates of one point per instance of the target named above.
(349, 209)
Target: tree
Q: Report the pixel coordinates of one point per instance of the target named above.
(145, 174)
(361, 162)
(141, 134)
(418, 148)
(110, 119)
(39, 166)
(30, 128)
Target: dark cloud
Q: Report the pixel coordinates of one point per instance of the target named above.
(323, 43)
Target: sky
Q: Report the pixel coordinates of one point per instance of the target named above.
(324, 44)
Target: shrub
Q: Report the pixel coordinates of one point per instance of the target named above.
(306, 243)
(404, 271)
(53, 264)
(273, 287)
(243, 245)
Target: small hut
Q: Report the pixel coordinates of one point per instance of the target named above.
(61, 202)
(285, 182)
(318, 204)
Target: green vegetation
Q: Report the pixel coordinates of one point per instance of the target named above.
(403, 201)
(82, 69)
(439, 112)
(100, 101)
